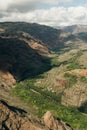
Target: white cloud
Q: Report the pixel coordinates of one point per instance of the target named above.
(55, 1)
(4, 4)
(53, 16)
(24, 10)
(23, 4)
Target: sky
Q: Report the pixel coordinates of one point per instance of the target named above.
(47, 12)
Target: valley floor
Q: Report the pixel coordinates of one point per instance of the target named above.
(60, 90)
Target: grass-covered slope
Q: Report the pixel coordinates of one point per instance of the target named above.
(45, 100)
(58, 86)
(58, 83)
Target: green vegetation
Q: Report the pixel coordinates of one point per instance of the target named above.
(55, 62)
(83, 79)
(73, 65)
(73, 62)
(23, 62)
(72, 79)
(44, 100)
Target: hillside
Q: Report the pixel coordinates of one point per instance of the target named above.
(42, 69)
(13, 118)
(74, 29)
(43, 33)
(48, 38)
(18, 58)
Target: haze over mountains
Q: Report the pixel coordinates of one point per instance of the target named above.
(75, 29)
(42, 69)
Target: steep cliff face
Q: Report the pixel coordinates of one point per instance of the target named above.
(12, 118)
(35, 44)
(76, 93)
(18, 58)
(6, 81)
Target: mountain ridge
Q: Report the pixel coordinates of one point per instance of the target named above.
(74, 29)
(40, 67)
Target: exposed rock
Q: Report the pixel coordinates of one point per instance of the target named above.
(2, 30)
(54, 124)
(6, 80)
(35, 44)
(75, 95)
(12, 118)
(84, 72)
(41, 49)
(59, 85)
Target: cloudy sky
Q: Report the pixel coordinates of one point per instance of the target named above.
(48, 12)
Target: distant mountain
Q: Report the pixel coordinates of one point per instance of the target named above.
(75, 29)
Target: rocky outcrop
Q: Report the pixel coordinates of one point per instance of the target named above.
(75, 95)
(6, 80)
(35, 44)
(12, 118)
(53, 124)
